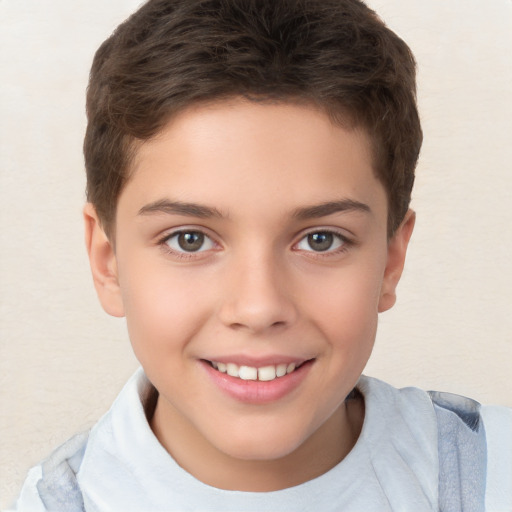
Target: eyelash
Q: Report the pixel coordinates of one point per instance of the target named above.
(345, 243)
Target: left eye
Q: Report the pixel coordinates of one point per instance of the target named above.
(321, 241)
(189, 241)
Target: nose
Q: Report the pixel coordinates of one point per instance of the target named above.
(257, 295)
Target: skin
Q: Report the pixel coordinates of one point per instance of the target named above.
(257, 288)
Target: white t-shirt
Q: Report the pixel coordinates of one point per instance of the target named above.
(394, 465)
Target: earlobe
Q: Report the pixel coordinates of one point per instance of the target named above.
(103, 263)
(397, 249)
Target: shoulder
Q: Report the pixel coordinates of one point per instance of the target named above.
(458, 415)
(497, 422)
(52, 485)
(462, 448)
(474, 442)
(66, 479)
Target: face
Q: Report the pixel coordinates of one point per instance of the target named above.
(251, 261)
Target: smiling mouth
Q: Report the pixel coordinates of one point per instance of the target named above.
(264, 374)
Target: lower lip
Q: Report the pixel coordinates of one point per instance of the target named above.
(255, 391)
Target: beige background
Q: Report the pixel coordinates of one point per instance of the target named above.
(62, 360)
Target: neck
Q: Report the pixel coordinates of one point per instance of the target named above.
(323, 450)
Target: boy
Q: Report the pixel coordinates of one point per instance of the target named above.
(249, 168)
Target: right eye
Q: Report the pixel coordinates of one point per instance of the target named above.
(189, 241)
(322, 241)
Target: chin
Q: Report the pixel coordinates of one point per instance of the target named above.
(260, 445)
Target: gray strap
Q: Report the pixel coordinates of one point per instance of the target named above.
(462, 453)
(58, 488)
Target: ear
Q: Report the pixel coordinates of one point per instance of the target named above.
(397, 248)
(103, 263)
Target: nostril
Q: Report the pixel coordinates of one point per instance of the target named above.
(273, 326)
(237, 326)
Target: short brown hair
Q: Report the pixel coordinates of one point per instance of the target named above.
(336, 54)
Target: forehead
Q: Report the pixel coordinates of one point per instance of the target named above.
(231, 153)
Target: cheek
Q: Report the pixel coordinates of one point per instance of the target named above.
(345, 307)
(163, 307)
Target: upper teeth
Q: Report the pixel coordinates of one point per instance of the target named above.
(265, 373)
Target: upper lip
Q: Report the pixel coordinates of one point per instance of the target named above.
(258, 362)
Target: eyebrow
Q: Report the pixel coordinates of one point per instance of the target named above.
(179, 208)
(169, 207)
(329, 208)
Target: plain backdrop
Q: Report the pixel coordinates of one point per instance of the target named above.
(63, 360)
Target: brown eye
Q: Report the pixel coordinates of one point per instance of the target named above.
(320, 241)
(189, 241)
